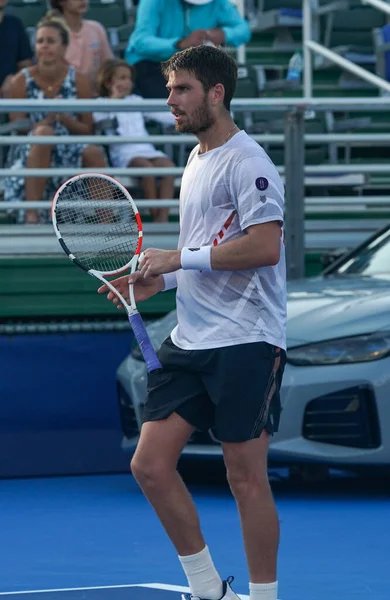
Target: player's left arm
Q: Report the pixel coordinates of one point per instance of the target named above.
(258, 196)
(258, 247)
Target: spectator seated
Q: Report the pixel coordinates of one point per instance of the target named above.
(115, 17)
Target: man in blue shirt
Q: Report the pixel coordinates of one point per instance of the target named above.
(164, 27)
(15, 49)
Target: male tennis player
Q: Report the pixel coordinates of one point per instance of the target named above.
(223, 363)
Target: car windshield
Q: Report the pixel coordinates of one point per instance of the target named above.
(372, 258)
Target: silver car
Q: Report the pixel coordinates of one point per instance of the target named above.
(336, 386)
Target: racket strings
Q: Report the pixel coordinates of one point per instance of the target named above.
(97, 223)
(117, 257)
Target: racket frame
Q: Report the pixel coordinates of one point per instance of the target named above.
(135, 319)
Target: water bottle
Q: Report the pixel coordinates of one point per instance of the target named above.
(295, 68)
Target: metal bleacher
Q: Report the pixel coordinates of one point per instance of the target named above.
(346, 26)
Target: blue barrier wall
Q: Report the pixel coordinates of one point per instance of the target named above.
(58, 402)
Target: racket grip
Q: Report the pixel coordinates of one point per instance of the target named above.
(141, 335)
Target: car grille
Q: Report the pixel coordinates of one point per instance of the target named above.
(345, 418)
(127, 413)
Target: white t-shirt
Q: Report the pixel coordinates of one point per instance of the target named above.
(225, 308)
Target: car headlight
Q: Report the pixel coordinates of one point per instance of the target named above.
(361, 348)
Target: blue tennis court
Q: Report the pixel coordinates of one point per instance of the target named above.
(96, 538)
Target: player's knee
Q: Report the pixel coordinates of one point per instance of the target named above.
(237, 479)
(148, 473)
(240, 483)
(243, 478)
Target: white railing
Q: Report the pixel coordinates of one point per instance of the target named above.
(45, 204)
(148, 105)
(319, 236)
(379, 4)
(307, 62)
(348, 65)
(295, 173)
(310, 45)
(161, 171)
(241, 50)
(313, 204)
(251, 104)
(361, 139)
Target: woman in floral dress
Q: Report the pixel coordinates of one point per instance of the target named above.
(51, 77)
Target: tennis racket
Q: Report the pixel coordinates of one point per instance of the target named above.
(99, 228)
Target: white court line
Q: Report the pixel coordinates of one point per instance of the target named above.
(157, 586)
(176, 588)
(75, 589)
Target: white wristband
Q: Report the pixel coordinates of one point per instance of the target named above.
(170, 281)
(196, 258)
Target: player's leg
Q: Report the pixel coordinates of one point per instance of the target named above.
(247, 412)
(175, 405)
(246, 464)
(154, 467)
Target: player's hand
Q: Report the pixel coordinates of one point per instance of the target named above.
(156, 262)
(143, 288)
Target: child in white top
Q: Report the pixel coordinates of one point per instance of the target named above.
(115, 80)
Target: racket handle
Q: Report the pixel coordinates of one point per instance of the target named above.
(150, 357)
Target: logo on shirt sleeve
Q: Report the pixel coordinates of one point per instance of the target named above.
(261, 183)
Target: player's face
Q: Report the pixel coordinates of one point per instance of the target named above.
(3, 3)
(48, 45)
(189, 103)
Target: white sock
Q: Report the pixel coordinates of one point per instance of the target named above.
(202, 576)
(263, 591)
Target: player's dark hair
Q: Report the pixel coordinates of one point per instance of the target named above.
(210, 65)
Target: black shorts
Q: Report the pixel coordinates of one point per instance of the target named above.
(233, 390)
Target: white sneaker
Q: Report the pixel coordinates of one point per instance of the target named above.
(227, 592)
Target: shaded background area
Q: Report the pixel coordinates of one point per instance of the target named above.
(59, 412)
